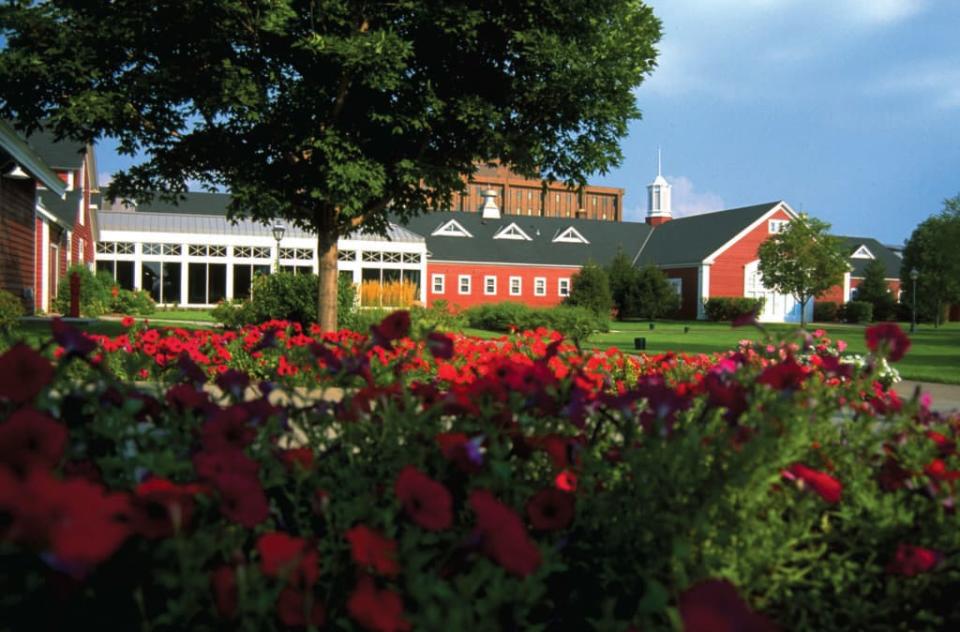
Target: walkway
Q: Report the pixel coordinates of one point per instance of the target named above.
(946, 397)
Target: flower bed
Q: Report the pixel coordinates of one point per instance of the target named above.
(465, 484)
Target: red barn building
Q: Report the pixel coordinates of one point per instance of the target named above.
(863, 250)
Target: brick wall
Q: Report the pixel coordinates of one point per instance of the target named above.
(17, 200)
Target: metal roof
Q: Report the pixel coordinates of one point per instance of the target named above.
(65, 208)
(19, 150)
(65, 153)
(891, 262)
(192, 223)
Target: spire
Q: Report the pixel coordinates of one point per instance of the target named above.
(658, 197)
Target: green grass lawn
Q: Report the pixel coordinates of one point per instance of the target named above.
(933, 357)
(176, 315)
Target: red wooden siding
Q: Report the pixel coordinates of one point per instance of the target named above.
(726, 274)
(38, 265)
(689, 294)
(477, 272)
(17, 200)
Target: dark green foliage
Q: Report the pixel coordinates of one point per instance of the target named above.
(576, 323)
(134, 303)
(728, 308)
(96, 292)
(438, 317)
(11, 309)
(331, 112)
(825, 311)
(285, 296)
(932, 250)
(590, 288)
(857, 312)
(873, 289)
(653, 296)
(622, 276)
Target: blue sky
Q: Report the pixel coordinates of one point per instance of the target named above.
(847, 109)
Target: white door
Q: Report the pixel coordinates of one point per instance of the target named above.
(777, 308)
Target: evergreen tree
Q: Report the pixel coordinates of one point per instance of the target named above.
(623, 277)
(590, 288)
(873, 289)
(932, 251)
(654, 295)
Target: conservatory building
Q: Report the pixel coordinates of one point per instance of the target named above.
(192, 255)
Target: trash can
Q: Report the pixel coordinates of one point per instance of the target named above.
(640, 343)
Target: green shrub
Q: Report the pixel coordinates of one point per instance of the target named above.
(96, 292)
(577, 323)
(857, 312)
(438, 317)
(590, 288)
(234, 314)
(721, 308)
(134, 303)
(287, 296)
(825, 312)
(11, 309)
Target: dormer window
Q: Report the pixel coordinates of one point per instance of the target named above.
(862, 253)
(777, 225)
(451, 229)
(570, 236)
(512, 232)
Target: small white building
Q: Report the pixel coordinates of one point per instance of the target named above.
(191, 255)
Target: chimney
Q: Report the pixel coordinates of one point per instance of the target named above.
(489, 210)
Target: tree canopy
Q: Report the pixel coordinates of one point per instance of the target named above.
(932, 251)
(802, 260)
(590, 288)
(333, 114)
(873, 289)
(639, 292)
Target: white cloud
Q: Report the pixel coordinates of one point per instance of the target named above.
(936, 83)
(688, 201)
(104, 178)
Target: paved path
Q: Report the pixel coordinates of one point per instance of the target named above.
(946, 397)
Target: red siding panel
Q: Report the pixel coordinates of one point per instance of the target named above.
(726, 274)
(17, 200)
(477, 272)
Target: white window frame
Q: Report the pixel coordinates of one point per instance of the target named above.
(570, 236)
(519, 282)
(862, 253)
(438, 281)
(540, 286)
(512, 232)
(677, 285)
(460, 285)
(563, 286)
(451, 228)
(775, 226)
(487, 290)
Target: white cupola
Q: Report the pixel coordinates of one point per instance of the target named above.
(659, 209)
(489, 210)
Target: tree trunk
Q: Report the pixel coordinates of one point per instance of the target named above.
(803, 312)
(327, 287)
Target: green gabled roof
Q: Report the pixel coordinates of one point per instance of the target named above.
(693, 239)
(192, 203)
(604, 239)
(62, 154)
(18, 149)
(890, 261)
(65, 209)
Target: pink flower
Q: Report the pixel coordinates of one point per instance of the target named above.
(715, 606)
(829, 488)
(888, 340)
(912, 560)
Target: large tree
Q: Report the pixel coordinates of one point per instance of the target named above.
(802, 260)
(331, 113)
(873, 289)
(932, 251)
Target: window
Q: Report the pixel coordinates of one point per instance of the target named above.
(207, 282)
(437, 282)
(121, 271)
(243, 276)
(516, 286)
(777, 225)
(563, 287)
(161, 280)
(297, 254)
(540, 286)
(114, 247)
(490, 285)
(346, 255)
(297, 269)
(151, 249)
(411, 257)
(512, 232)
(464, 281)
(570, 236)
(862, 253)
(677, 286)
(451, 229)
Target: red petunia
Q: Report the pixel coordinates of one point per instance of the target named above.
(784, 375)
(227, 429)
(224, 584)
(375, 609)
(440, 345)
(73, 341)
(393, 327)
(550, 510)
(370, 548)
(715, 606)
(426, 502)
(242, 499)
(460, 450)
(912, 560)
(23, 374)
(162, 508)
(186, 397)
(290, 558)
(127, 322)
(292, 609)
(504, 538)
(829, 488)
(888, 340)
(211, 466)
(30, 439)
(297, 458)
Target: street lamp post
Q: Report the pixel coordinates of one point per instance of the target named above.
(914, 275)
(278, 231)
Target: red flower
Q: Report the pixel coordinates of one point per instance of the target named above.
(715, 606)
(504, 538)
(829, 488)
(550, 510)
(566, 481)
(212, 466)
(784, 375)
(460, 450)
(23, 374)
(73, 340)
(127, 322)
(297, 457)
(31, 439)
(242, 499)
(426, 502)
(226, 430)
(162, 508)
(378, 610)
(912, 560)
(286, 557)
(440, 345)
(224, 584)
(887, 339)
(187, 397)
(393, 327)
(369, 548)
(292, 609)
